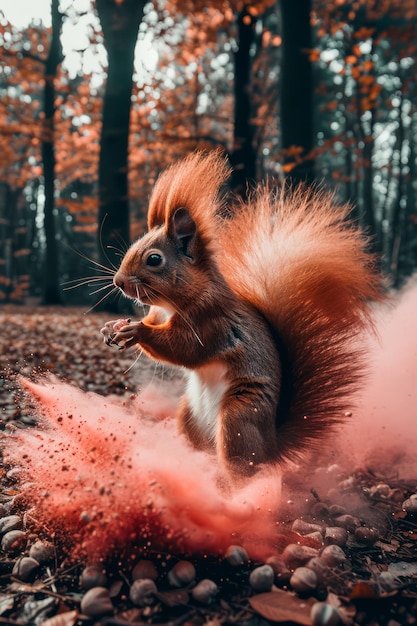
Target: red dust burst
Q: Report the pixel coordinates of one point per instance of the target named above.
(109, 478)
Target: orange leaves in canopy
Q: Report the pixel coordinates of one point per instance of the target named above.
(84, 212)
(288, 167)
(293, 156)
(293, 151)
(351, 59)
(314, 55)
(363, 33)
(332, 105)
(78, 207)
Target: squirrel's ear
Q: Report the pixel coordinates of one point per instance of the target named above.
(184, 229)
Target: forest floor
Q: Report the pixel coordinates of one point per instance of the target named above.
(343, 564)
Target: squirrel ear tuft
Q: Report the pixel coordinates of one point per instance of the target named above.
(184, 229)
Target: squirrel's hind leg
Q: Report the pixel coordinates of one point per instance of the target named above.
(246, 431)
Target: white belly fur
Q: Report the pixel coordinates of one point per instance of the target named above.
(161, 313)
(205, 390)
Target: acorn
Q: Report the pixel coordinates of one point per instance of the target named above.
(304, 580)
(92, 576)
(323, 614)
(205, 591)
(335, 557)
(96, 602)
(42, 551)
(295, 555)
(13, 541)
(145, 569)
(236, 556)
(262, 578)
(142, 592)
(25, 568)
(182, 574)
(410, 505)
(10, 522)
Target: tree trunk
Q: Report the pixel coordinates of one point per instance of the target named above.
(243, 156)
(52, 293)
(120, 23)
(297, 90)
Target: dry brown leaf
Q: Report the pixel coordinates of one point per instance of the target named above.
(282, 606)
(62, 619)
(363, 590)
(179, 597)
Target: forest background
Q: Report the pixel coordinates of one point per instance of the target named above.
(94, 106)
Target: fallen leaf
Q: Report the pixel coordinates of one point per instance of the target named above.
(179, 597)
(62, 619)
(282, 606)
(363, 590)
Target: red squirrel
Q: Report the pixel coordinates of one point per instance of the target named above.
(262, 301)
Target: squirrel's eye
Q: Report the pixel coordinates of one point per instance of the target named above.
(154, 259)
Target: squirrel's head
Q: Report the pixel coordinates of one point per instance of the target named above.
(166, 263)
(172, 262)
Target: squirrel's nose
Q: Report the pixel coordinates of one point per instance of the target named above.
(118, 280)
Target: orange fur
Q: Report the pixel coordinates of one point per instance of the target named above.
(264, 305)
(194, 182)
(294, 255)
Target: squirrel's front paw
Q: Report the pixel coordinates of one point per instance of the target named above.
(121, 333)
(111, 328)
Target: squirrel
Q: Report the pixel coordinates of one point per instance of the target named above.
(263, 301)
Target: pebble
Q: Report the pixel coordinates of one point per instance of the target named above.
(304, 580)
(295, 555)
(25, 568)
(13, 541)
(336, 510)
(262, 578)
(96, 602)
(366, 535)
(323, 614)
(145, 569)
(335, 557)
(92, 576)
(205, 591)
(335, 535)
(42, 551)
(182, 574)
(142, 592)
(348, 522)
(316, 536)
(320, 567)
(409, 505)
(281, 571)
(236, 556)
(10, 522)
(381, 490)
(302, 527)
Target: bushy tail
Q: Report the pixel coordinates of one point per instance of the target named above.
(295, 256)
